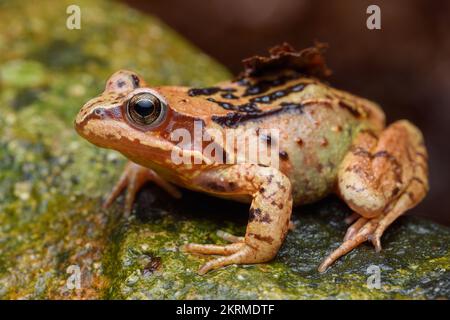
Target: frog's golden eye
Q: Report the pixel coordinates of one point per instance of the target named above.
(145, 109)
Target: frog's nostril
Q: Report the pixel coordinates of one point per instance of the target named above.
(99, 112)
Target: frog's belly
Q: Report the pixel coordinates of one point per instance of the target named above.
(314, 162)
(313, 181)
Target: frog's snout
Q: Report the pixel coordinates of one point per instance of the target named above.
(89, 110)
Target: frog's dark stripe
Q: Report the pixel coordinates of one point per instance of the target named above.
(233, 119)
(356, 113)
(358, 151)
(269, 98)
(254, 214)
(249, 107)
(258, 216)
(229, 95)
(369, 132)
(259, 237)
(397, 167)
(225, 105)
(208, 91)
(265, 85)
(418, 180)
(244, 82)
(411, 196)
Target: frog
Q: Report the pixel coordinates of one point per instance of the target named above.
(326, 142)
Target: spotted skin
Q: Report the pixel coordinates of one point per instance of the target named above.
(327, 141)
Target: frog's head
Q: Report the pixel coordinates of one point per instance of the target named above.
(138, 120)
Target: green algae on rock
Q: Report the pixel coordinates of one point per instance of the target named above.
(52, 183)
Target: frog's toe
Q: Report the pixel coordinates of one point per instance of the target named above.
(235, 253)
(229, 237)
(361, 231)
(243, 255)
(213, 248)
(133, 178)
(376, 241)
(116, 191)
(354, 228)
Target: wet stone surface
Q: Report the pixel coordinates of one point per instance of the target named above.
(52, 183)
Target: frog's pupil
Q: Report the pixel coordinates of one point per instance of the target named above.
(144, 107)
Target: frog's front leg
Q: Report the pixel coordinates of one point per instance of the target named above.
(380, 178)
(133, 178)
(271, 204)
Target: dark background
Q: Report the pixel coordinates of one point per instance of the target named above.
(405, 66)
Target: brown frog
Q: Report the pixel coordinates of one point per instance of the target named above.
(317, 140)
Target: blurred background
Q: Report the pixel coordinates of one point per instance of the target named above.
(405, 66)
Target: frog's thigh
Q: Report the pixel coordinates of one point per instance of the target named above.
(377, 171)
(269, 215)
(380, 179)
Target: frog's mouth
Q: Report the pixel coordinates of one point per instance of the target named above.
(106, 132)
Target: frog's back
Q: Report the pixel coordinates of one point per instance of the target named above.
(311, 125)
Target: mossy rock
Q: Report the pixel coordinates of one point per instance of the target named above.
(52, 183)
(146, 262)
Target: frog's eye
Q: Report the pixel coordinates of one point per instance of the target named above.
(145, 109)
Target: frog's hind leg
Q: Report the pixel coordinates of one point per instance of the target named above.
(380, 179)
(269, 215)
(133, 178)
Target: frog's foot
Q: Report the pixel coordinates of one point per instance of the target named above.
(361, 231)
(238, 252)
(380, 179)
(133, 178)
(235, 253)
(269, 216)
(365, 229)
